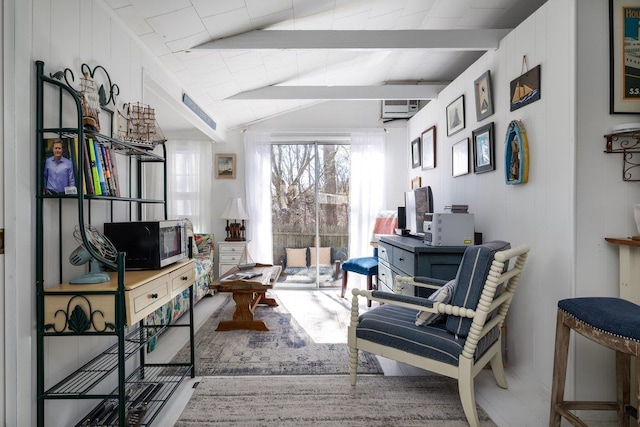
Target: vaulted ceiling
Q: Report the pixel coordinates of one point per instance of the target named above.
(243, 61)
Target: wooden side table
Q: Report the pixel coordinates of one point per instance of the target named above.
(247, 294)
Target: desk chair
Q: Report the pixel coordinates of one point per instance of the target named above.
(386, 223)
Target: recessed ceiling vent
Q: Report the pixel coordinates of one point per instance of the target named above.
(399, 108)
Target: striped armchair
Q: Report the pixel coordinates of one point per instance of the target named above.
(456, 331)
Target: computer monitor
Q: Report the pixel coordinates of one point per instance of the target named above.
(417, 202)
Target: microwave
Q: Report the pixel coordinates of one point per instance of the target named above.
(149, 245)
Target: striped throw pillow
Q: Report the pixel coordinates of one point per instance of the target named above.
(443, 295)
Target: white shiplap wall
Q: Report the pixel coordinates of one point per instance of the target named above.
(539, 213)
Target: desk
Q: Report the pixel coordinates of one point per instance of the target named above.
(407, 256)
(247, 294)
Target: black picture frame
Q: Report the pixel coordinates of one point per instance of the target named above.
(416, 157)
(455, 116)
(624, 18)
(483, 96)
(483, 149)
(460, 158)
(428, 149)
(525, 89)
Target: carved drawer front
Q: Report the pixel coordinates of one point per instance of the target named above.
(403, 261)
(143, 299)
(79, 313)
(182, 278)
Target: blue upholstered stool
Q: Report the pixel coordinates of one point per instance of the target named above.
(367, 266)
(611, 322)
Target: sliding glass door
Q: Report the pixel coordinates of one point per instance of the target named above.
(310, 211)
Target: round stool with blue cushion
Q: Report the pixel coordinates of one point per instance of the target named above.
(611, 322)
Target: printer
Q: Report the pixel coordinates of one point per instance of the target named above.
(448, 229)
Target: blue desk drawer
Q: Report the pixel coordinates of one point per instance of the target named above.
(385, 277)
(403, 261)
(384, 252)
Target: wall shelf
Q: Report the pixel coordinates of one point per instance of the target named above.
(627, 144)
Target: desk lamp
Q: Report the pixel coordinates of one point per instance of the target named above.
(234, 212)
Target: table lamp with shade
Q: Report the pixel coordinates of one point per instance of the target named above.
(235, 212)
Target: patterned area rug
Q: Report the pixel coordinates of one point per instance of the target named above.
(328, 400)
(286, 349)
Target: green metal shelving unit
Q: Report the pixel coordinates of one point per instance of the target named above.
(153, 383)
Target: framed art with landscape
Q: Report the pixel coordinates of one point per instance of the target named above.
(460, 157)
(428, 148)
(455, 116)
(624, 52)
(225, 166)
(415, 153)
(484, 99)
(483, 149)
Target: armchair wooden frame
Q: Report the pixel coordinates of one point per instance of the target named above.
(467, 368)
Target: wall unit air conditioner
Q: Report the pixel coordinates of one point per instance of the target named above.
(399, 108)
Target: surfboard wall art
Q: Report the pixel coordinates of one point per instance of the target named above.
(516, 154)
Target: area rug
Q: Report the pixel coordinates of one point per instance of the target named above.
(286, 349)
(328, 400)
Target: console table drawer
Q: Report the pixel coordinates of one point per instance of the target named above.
(146, 298)
(403, 261)
(182, 278)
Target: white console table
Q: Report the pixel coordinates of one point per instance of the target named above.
(629, 254)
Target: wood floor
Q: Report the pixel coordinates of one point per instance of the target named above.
(517, 406)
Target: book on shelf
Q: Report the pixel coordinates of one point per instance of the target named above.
(88, 175)
(106, 166)
(99, 167)
(111, 163)
(94, 168)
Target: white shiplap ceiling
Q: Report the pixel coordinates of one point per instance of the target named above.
(246, 60)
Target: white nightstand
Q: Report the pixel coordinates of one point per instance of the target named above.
(229, 254)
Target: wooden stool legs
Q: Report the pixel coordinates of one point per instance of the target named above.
(624, 348)
(344, 285)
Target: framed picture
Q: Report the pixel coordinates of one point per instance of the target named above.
(225, 166)
(624, 17)
(484, 98)
(460, 157)
(525, 89)
(58, 172)
(416, 182)
(429, 148)
(455, 116)
(483, 149)
(416, 158)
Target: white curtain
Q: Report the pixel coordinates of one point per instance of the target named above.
(189, 171)
(257, 149)
(366, 189)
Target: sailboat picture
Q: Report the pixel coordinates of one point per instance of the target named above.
(525, 89)
(455, 116)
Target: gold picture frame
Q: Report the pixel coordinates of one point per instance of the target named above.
(416, 182)
(225, 166)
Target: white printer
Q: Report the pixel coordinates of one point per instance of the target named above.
(448, 229)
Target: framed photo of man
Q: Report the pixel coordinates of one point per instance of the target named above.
(58, 172)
